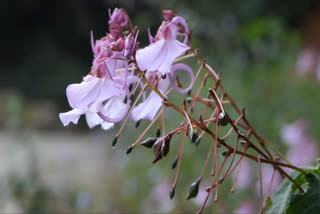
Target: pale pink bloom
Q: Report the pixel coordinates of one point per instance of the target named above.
(149, 108)
(306, 60)
(245, 175)
(246, 207)
(160, 55)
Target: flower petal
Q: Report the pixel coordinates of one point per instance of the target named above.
(71, 116)
(93, 120)
(83, 94)
(152, 56)
(147, 109)
(115, 110)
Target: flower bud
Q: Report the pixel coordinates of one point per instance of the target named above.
(149, 142)
(194, 188)
(174, 164)
(223, 119)
(167, 15)
(129, 150)
(114, 141)
(158, 132)
(172, 192)
(163, 75)
(193, 136)
(138, 123)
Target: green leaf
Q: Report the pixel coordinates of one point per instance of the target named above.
(289, 200)
(282, 197)
(309, 202)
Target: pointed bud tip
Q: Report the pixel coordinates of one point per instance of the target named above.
(194, 188)
(148, 143)
(172, 192)
(129, 150)
(174, 164)
(193, 136)
(138, 123)
(163, 75)
(114, 142)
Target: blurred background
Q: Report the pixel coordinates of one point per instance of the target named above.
(268, 52)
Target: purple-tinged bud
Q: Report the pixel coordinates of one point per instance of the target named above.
(194, 189)
(149, 142)
(167, 15)
(172, 192)
(129, 45)
(120, 44)
(119, 17)
(223, 119)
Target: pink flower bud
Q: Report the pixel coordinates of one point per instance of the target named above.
(167, 15)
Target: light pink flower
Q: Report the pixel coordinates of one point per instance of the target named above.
(160, 55)
(149, 108)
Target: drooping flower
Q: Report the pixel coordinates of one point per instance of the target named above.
(165, 48)
(103, 95)
(149, 108)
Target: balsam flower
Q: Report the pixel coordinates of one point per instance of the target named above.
(165, 48)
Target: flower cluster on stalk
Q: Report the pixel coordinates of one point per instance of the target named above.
(121, 69)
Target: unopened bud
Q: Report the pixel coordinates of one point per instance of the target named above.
(194, 188)
(223, 119)
(158, 132)
(138, 123)
(172, 192)
(226, 153)
(114, 141)
(193, 136)
(129, 150)
(174, 164)
(149, 142)
(167, 15)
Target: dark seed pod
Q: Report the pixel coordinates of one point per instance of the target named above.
(194, 189)
(158, 132)
(129, 150)
(189, 93)
(138, 123)
(163, 75)
(174, 164)
(223, 119)
(198, 141)
(149, 142)
(172, 192)
(158, 151)
(114, 141)
(193, 136)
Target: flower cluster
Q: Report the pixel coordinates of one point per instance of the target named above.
(104, 94)
(121, 71)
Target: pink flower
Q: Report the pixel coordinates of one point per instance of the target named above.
(160, 55)
(149, 108)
